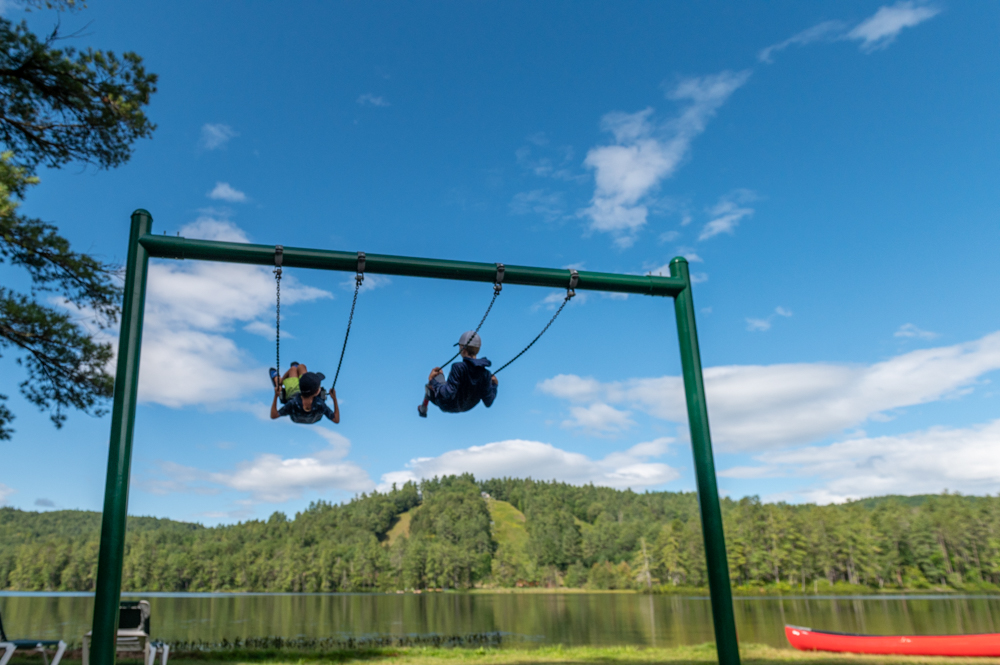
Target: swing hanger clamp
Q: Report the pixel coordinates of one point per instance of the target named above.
(279, 253)
(498, 280)
(360, 277)
(574, 279)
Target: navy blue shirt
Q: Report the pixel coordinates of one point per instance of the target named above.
(469, 382)
(293, 409)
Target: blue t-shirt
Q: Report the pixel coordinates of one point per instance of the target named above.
(294, 410)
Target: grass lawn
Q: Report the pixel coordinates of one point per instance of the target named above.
(753, 654)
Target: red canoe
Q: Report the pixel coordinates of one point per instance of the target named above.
(807, 639)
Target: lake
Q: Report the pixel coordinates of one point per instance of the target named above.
(570, 619)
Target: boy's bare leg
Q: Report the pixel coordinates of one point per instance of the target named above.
(296, 371)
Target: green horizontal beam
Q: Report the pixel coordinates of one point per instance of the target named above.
(173, 247)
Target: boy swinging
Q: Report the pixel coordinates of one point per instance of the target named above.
(468, 383)
(303, 398)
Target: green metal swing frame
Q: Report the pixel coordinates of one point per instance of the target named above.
(143, 245)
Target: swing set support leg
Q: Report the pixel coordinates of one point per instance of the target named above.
(115, 516)
(726, 643)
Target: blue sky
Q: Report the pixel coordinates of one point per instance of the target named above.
(830, 170)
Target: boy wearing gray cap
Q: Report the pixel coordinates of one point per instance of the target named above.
(469, 382)
(307, 406)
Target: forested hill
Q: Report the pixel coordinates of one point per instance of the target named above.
(456, 532)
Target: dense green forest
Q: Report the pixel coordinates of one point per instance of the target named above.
(458, 533)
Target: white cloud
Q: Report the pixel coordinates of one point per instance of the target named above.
(223, 191)
(825, 31)
(5, 492)
(727, 213)
(191, 306)
(518, 458)
(910, 330)
(270, 478)
(749, 472)
(216, 135)
(369, 99)
(645, 152)
(761, 407)
(572, 387)
(761, 325)
(699, 277)
(881, 29)
(923, 462)
(876, 32)
(598, 418)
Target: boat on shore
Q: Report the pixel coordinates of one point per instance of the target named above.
(807, 639)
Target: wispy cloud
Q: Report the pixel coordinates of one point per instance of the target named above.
(881, 29)
(215, 136)
(758, 325)
(370, 283)
(5, 492)
(645, 152)
(554, 162)
(539, 202)
(827, 31)
(518, 458)
(911, 331)
(761, 407)
(875, 32)
(223, 191)
(727, 213)
(368, 99)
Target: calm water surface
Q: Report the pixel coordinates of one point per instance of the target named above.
(571, 619)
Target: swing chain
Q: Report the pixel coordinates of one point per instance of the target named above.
(358, 279)
(574, 279)
(497, 288)
(279, 252)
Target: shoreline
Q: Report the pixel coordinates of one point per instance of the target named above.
(703, 653)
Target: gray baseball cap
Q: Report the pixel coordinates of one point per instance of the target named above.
(470, 338)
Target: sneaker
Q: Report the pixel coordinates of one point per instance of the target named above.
(294, 365)
(274, 375)
(422, 410)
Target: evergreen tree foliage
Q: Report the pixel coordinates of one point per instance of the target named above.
(60, 105)
(590, 537)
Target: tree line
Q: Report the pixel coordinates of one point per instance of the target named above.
(576, 536)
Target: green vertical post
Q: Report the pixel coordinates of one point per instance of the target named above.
(726, 643)
(113, 522)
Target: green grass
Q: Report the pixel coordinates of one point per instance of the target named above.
(508, 523)
(752, 654)
(401, 528)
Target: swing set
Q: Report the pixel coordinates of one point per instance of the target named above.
(143, 245)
